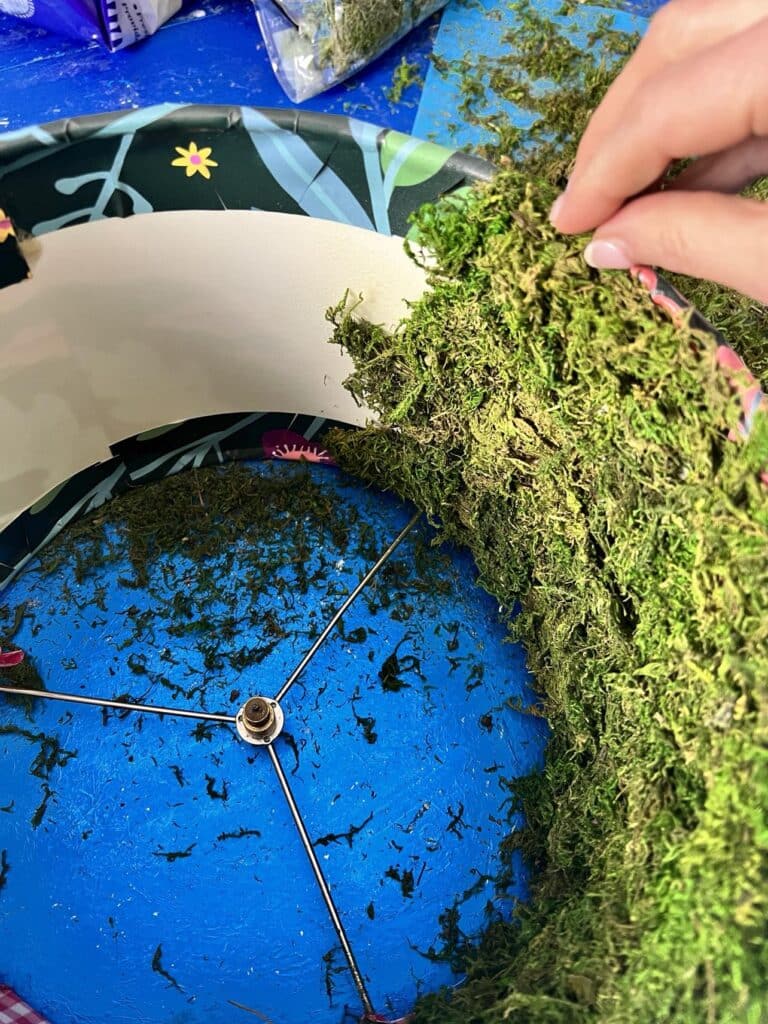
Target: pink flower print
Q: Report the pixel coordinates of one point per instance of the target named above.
(284, 444)
(6, 228)
(194, 160)
(743, 384)
(10, 659)
(649, 279)
(729, 360)
(740, 379)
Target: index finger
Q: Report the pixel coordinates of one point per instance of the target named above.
(700, 105)
(679, 30)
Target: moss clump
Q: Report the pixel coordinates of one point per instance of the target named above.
(232, 563)
(406, 75)
(554, 422)
(537, 51)
(204, 517)
(355, 31)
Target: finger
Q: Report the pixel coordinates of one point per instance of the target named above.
(728, 171)
(706, 103)
(702, 234)
(679, 30)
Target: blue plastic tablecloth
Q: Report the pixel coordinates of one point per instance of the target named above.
(213, 53)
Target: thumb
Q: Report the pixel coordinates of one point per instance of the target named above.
(702, 234)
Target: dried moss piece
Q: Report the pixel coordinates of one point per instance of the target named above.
(353, 32)
(405, 76)
(554, 422)
(158, 968)
(201, 515)
(359, 28)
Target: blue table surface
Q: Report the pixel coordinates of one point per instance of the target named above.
(213, 53)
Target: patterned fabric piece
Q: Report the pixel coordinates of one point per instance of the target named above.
(14, 1010)
(208, 158)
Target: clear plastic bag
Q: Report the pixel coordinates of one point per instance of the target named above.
(314, 44)
(116, 23)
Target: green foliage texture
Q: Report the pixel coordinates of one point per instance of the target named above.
(558, 425)
(547, 72)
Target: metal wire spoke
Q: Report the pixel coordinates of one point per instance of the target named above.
(120, 705)
(325, 891)
(340, 611)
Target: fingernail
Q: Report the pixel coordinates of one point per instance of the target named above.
(557, 207)
(607, 255)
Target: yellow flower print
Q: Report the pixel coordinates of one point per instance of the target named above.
(6, 228)
(196, 161)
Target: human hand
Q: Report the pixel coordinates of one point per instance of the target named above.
(696, 86)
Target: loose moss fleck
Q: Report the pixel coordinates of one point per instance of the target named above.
(405, 76)
(175, 855)
(395, 666)
(354, 636)
(368, 724)
(5, 869)
(331, 969)
(553, 421)
(290, 741)
(403, 878)
(40, 811)
(157, 967)
(349, 835)
(455, 945)
(457, 823)
(202, 732)
(241, 833)
(216, 794)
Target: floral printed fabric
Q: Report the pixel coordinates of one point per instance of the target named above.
(233, 158)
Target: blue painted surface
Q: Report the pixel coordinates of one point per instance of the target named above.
(471, 29)
(89, 897)
(213, 53)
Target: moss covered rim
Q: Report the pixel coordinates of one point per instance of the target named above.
(173, 157)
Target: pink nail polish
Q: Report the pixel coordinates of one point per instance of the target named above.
(606, 255)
